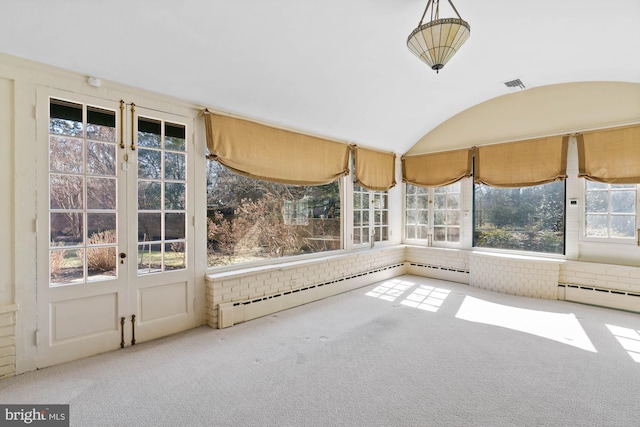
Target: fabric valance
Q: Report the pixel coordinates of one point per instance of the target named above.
(271, 154)
(611, 156)
(375, 170)
(437, 169)
(522, 163)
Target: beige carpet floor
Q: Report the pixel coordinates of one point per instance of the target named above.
(404, 352)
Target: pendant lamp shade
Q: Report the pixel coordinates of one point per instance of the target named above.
(438, 40)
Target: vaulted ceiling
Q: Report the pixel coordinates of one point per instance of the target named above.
(334, 68)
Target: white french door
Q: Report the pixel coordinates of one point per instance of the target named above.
(115, 252)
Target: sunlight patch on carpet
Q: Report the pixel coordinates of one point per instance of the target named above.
(629, 339)
(390, 290)
(426, 298)
(561, 327)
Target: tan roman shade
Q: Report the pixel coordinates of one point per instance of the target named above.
(523, 163)
(611, 156)
(271, 154)
(437, 169)
(375, 170)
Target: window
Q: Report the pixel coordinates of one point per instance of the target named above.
(610, 210)
(526, 218)
(82, 193)
(433, 212)
(370, 215)
(162, 192)
(417, 212)
(251, 220)
(446, 213)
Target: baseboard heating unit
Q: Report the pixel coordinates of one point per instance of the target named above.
(235, 312)
(611, 298)
(439, 272)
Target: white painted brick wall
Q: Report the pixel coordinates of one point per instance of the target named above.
(439, 257)
(515, 275)
(262, 281)
(7, 341)
(512, 274)
(606, 276)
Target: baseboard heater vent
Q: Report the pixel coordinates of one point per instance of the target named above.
(613, 298)
(437, 267)
(232, 313)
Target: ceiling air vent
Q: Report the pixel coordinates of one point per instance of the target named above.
(514, 85)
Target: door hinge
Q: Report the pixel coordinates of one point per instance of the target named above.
(36, 337)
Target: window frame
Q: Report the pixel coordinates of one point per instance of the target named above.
(608, 239)
(213, 269)
(376, 226)
(430, 193)
(562, 255)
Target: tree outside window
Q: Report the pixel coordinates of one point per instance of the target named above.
(524, 219)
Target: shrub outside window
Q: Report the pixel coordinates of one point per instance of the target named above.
(251, 220)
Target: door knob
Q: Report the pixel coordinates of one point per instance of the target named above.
(122, 257)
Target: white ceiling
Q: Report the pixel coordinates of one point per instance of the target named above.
(337, 68)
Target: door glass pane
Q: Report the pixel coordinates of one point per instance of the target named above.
(149, 258)
(66, 266)
(423, 232)
(149, 195)
(175, 256)
(101, 124)
(365, 218)
(101, 193)
(66, 229)
(101, 159)
(453, 234)
(66, 191)
(174, 196)
(174, 166)
(439, 201)
(174, 226)
(357, 221)
(102, 263)
(411, 218)
(174, 137)
(101, 228)
(149, 164)
(411, 202)
(65, 155)
(82, 193)
(65, 118)
(149, 133)
(149, 227)
(162, 190)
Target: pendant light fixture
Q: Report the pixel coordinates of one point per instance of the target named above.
(439, 39)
